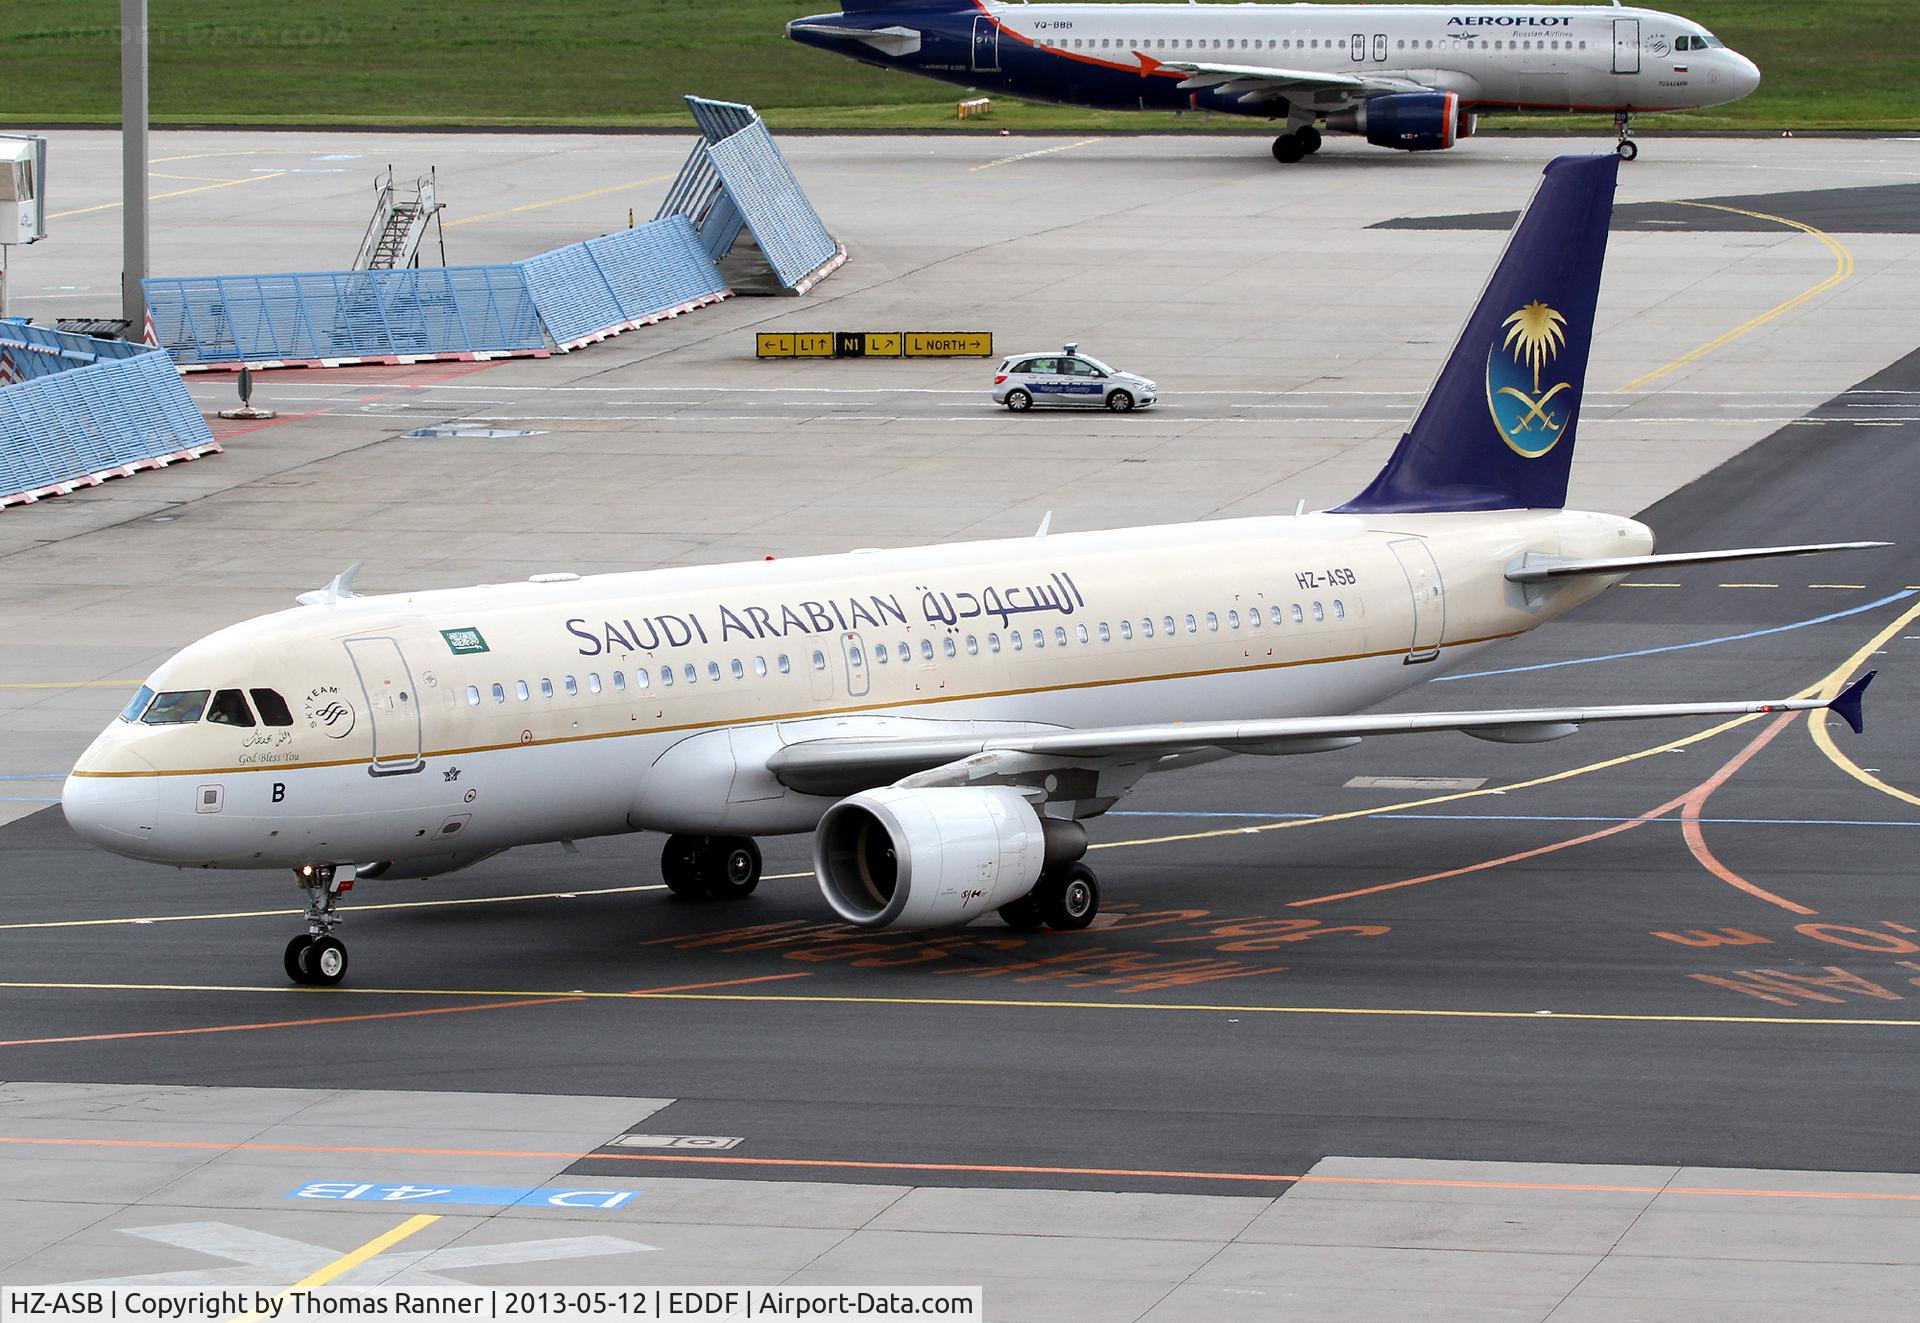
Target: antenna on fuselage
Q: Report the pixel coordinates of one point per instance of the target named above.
(338, 590)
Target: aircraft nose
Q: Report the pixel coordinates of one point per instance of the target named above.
(1746, 74)
(117, 813)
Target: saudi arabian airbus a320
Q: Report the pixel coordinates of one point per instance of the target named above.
(942, 718)
(1411, 77)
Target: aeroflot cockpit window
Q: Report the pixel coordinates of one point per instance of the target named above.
(229, 708)
(137, 704)
(176, 708)
(273, 708)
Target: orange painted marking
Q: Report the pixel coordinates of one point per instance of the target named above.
(1692, 807)
(380, 1015)
(1410, 1182)
(1696, 806)
(282, 1024)
(724, 983)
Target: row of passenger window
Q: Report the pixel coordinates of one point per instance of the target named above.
(1285, 44)
(884, 654)
(228, 707)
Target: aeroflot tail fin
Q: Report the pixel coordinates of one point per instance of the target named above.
(1496, 430)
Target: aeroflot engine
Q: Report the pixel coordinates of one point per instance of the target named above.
(937, 857)
(1409, 121)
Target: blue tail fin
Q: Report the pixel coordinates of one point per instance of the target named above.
(1496, 431)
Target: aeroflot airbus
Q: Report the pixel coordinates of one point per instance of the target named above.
(942, 718)
(1406, 76)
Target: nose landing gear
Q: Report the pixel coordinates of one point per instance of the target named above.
(1626, 147)
(317, 958)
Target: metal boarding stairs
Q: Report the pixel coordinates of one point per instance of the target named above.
(399, 225)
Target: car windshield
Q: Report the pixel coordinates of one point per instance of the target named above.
(1096, 364)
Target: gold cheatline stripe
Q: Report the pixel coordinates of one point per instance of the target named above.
(802, 716)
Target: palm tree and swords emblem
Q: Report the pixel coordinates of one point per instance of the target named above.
(1535, 335)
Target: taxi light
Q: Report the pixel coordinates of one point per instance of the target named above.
(1002, 377)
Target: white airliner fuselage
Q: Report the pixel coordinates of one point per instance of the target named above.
(1349, 67)
(653, 700)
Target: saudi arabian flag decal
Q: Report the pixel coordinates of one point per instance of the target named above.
(464, 641)
(1531, 419)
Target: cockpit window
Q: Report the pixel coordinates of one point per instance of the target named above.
(273, 708)
(176, 708)
(137, 704)
(229, 708)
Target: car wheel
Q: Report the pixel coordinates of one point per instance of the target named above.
(1019, 401)
(1120, 402)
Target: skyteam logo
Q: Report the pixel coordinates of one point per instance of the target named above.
(1531, 420)
(329, 713)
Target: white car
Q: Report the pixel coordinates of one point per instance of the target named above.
(1068, 378)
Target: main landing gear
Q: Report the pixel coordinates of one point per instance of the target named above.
(1065, 899)
(1627, 149)
(711, 867)
(1291, 147)
(316, 957)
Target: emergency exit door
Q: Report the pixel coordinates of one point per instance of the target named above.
(393, 707)
(1429, 605)
(986, 45)
(1626, 45)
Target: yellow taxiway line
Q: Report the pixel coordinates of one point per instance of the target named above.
(1823, 738)
(985, 1003)
(1842, 268)
(555, 202)
(177, 193)
(347, 1262)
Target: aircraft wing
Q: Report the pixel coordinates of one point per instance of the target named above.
(839, 766)
(1254, 82)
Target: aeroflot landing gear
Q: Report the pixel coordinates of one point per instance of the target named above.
(1627, 148)
(1288, 148)
(710, 867)
(317, 957)
(1309, 139)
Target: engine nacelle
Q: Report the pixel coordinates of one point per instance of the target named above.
(1407, 121)
(935, 857)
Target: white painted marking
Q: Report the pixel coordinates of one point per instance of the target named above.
(677, 1141)
(1416, 782)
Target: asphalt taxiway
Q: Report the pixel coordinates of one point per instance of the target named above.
(1614, 1026)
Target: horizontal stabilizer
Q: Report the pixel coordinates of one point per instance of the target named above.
(1850, 703)
(1545, 569)
(889, 41)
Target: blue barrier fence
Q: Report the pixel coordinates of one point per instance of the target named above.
(109, 408)
(590, 290)
(303, 316)
(735, 179)
(758, 181)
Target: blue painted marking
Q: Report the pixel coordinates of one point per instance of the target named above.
(498, 1196)
(1681, 647)
(1531, 817)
